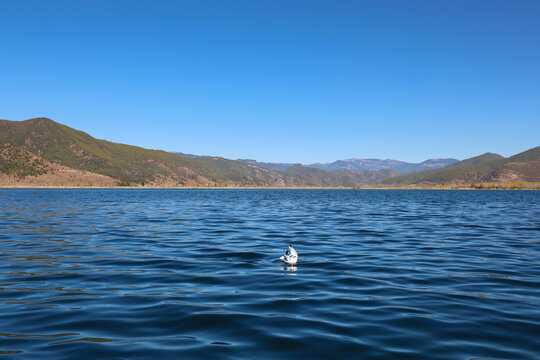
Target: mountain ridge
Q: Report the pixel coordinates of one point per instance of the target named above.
(78, 150)
(355, 164)
(484, 167)
(130, 164)
(379, 164)
(42, 140)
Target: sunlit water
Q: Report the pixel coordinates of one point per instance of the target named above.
(140, 274)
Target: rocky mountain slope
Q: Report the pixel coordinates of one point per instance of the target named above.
(18, 166)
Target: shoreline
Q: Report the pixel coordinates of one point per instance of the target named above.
(501, 187)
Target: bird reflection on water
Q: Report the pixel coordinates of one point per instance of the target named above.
(290, 268)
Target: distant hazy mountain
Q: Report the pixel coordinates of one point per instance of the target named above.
(425, 165)
(378, 164)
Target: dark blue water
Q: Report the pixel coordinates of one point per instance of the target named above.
(170, 274)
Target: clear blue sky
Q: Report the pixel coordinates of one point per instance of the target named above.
(283, 81)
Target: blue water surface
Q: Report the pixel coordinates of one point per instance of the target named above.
(171, 274)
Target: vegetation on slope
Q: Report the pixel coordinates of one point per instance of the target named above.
(20, 167)
(529, 155)
(78, 150)
(373, 177)
(481, 159)
(134, 165)
(527, 171)
(524, 166)
(244, 173)
(18, 161)
(26, 144)
(268, 165)
(479, 168)
(308, 176)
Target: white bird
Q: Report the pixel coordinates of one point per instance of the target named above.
(290, 257)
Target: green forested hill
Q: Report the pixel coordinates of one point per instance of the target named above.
(244, 173)
(76, 149)
(479, 168)
(476, 160)
(131, 164)
(42, 138)
(529, 155)
(317, 177)
(310, 176)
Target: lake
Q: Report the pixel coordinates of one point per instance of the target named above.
(170, 274)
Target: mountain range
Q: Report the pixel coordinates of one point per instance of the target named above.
(54, 143)
(378, 164)
(41, 151)
(401, 167)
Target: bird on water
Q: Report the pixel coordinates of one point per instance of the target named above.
(290, 257)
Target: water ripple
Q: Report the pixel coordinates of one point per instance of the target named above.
(138, 274)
